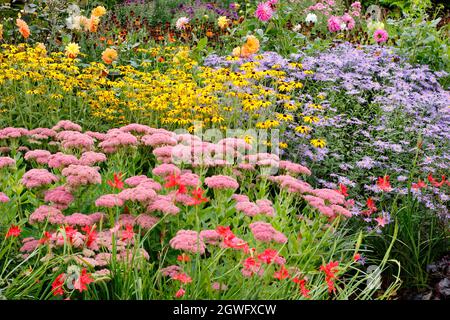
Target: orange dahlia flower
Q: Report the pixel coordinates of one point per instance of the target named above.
(23, 28)
(109, 55)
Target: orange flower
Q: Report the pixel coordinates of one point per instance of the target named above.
(209, 33)
(93, 23)
(245, 51)
(252, 44)
(98, 11)
(109, 55)
(110, 42)
(23, 28)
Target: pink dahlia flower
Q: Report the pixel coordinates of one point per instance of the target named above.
(380, 36)
(334, 24)
(264, 11)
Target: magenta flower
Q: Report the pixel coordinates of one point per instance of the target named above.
(349, 21)
(3, 198)
(380, 36)
(334, 24)
(264, 11)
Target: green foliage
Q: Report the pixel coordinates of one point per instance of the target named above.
(422, 42)
(422, 239)
(408, 5)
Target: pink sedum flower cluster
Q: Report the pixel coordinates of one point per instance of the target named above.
(78, 175)
(36, 178)
(6, 162)
(265, 232)
(221, 182)
(188, 240)
(59, 197)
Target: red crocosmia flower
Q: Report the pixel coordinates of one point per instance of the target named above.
(174, 180)
(83, 280)
(91, 234)
(282, 274)
(70, 232)
(197, 197)
(251, 263)
(13, 231)
(384, 184)
(434, 182)
(343, 190)
(57, 285)
(45, 238)
(224, 231)
(302, 284)
(236, 243)
(371, 205)
(371, 208)
(356, 257)
(182, 189)
(128, 233)
(231, 241)
(330, 270)
(180, 293)
(117, 183)
(268, 256)
(182, 277)
(419, 185)
(183, 258)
